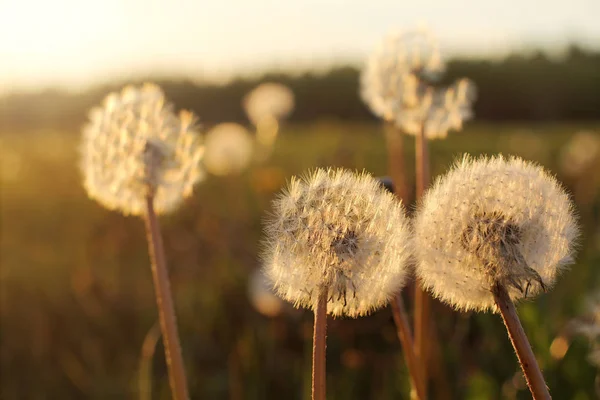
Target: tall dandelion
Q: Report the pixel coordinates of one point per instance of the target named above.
(493, 231)
(140, 158)
(398, 85)
(266, 106)
(336, 243)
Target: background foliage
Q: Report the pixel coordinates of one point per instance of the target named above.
(530, 87)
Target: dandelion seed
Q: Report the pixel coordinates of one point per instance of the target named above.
(228, 149)
(493, 222)
(589, 326)
(340, 231)
(135, 142)
(396, 84)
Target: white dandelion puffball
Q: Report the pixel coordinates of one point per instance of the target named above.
(268, 100)
(493, 221)
(439, 111)
(228, 149)
(396, 86)
(392, 76)
(134, 145)
(342, 231)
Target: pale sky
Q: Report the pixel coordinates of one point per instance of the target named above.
(76, 43)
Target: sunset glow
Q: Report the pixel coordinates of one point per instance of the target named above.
(74, 43)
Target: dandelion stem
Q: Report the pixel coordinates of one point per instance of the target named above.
(164, 301)
(422, 302)
(319, 339)
(422, 162)
(394, 141)
(395, 147)
(403, 330)
(145, 373)
(529, 365)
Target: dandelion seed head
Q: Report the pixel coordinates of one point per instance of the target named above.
(493, 221)
(228, 149)
(450, 109)
(269, 100)
(339, 230)
(391, 78)
(134, 143)
(396, 85)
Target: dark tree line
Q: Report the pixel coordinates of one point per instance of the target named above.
(520, 87)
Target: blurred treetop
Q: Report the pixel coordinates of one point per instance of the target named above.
(531, 87)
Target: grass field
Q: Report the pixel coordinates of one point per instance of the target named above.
(77, 306)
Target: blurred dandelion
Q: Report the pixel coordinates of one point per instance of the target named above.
(134, 142)
(266, 106)
(588, 326)
(579, 159)
(396, 84)
(580, 153)
(228, 149)
(262, 297)
(491, 231)
(269, 100)
(336, 243)
(138, 157)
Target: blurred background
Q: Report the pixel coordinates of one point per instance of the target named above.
(77, 312)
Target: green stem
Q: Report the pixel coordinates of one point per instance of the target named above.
(403, 331)
(164, 301)
(529, 365)
(422, 301)
(319, 343)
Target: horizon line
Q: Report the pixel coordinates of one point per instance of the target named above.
(289, 68)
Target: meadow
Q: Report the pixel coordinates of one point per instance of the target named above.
(78, 313)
